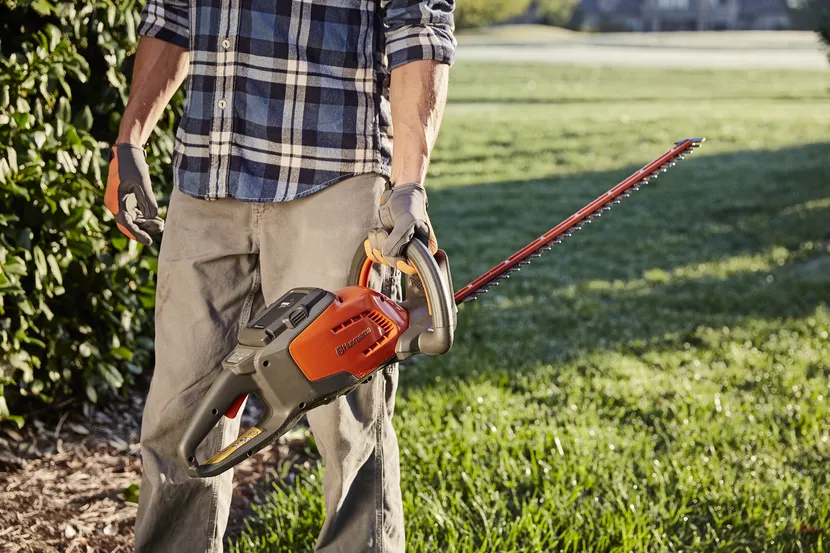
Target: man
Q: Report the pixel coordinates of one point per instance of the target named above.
(282, 163)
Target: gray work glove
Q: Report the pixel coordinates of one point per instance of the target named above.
(402, 217)
(129, 195)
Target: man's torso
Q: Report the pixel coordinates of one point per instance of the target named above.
(283, 98)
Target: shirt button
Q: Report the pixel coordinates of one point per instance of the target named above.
(222, 104)
(226, 44)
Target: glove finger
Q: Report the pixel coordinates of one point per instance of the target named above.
(405, 267)
(374, 246)
(400, 236)
(376, 239)
(367, 248)
(422, 231)
(131, 200)
(374, 255)
(126, 224)
(146, 203)
(150, 226)
(395, 262)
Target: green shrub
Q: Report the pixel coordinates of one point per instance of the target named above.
(556, 12)
(478, 13)
(76, 298)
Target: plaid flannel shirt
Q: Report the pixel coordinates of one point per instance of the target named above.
(286, 97)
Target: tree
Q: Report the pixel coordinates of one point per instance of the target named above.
(478, 13)
(556, 12)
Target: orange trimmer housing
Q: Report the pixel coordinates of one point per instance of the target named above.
(358, 332)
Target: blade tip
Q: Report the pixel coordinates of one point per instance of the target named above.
(694, 141)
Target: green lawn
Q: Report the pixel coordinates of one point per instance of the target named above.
(658, 382)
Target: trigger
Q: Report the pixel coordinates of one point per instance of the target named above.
(233, 410)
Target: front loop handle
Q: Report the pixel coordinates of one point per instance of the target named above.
(438, 339)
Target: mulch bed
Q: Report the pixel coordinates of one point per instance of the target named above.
(69, 478)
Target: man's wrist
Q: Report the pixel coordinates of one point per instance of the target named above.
(130, 134)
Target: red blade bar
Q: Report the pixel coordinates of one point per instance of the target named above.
(681, 147)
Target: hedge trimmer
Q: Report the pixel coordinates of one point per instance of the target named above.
(312, 346)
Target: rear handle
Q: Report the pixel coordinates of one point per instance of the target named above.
(223, 393)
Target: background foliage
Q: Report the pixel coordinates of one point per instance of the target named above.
(75, 297)
(477, 13)
(556, 12)
(821, 9)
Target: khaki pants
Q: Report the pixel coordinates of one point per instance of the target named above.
(220, 262)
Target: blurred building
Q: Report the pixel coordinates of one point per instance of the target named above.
(683, 15)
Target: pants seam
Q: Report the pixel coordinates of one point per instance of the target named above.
(214, 494)
(381, 407)
(245, 314)
(381, 546)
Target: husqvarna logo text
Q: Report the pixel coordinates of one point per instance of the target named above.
(345, 347)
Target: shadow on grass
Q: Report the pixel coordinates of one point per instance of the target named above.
(720, 240)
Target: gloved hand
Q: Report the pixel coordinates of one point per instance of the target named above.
(129, 195)
(402, 217)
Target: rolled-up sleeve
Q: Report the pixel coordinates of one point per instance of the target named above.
(167, 20)
(418, 30)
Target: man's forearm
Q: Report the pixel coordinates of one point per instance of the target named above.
(418, 94)
(160, 69)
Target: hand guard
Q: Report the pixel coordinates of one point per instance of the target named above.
(129, 195)
(402, 217)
